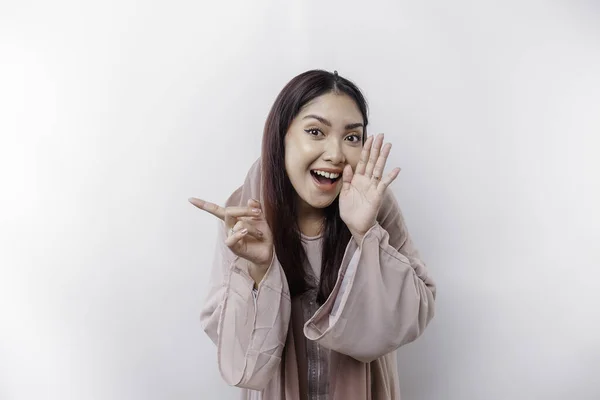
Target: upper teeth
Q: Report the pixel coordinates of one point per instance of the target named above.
(329, 175)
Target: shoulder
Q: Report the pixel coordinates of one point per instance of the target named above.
(251, 188)
(234, 198)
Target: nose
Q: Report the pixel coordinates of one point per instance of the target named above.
(333, 151)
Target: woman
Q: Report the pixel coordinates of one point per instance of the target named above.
(316, 281)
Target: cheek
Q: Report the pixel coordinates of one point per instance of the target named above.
(353, 156)
(289, 162)
(299, 155)
(295, 165)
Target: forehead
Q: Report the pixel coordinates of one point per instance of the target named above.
(337, 108)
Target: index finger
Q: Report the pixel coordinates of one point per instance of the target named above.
(212, 208)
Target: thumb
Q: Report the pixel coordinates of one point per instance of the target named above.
(254, 203)
(347, 178)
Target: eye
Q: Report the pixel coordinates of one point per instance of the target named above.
(312, 130)
(357, 138)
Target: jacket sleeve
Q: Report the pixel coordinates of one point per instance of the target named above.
(249, 329)
(384, 296)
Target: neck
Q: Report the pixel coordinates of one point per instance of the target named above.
(310, 219)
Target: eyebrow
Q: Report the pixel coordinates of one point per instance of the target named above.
(326, 122)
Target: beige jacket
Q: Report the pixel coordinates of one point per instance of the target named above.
(384, 298)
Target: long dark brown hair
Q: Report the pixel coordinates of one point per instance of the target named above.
(280, 198)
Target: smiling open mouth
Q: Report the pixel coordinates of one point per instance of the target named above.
(323, 178)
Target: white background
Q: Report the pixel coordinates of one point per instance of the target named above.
(113, 113)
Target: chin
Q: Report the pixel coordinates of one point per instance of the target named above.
(323, 203)
(321, 206)
(312, 197)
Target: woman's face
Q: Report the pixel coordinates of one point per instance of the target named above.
(324, 137)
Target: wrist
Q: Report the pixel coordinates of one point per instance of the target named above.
(358, 235)
(257, 271)
(265, 264)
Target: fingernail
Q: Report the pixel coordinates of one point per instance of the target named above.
(256, 211)
(254, 200)
(244, 231)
